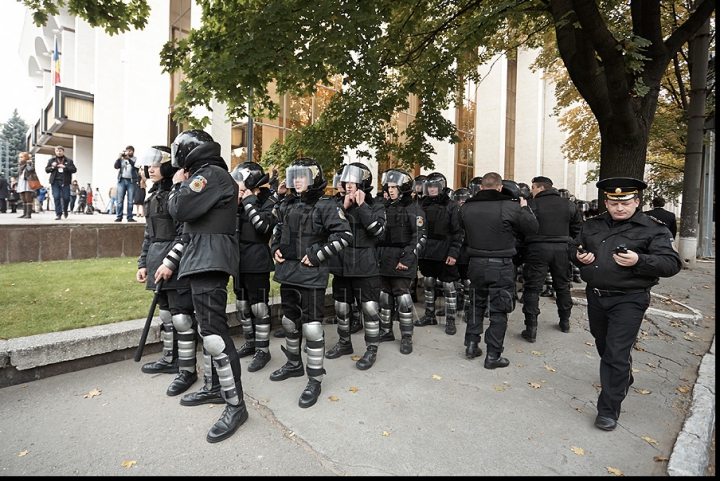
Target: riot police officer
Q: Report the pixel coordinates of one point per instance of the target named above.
(178, 330)
(492, 220)
(311, 229)
(255, 224)
(560, 221)
(204, 197)
(621, 253)
(398, 250)
(438, 260)
(357, 278)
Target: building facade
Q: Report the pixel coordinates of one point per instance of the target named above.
(112, 93)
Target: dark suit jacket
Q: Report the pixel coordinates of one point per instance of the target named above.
(4, 190)
(668, 218)
(67, 173)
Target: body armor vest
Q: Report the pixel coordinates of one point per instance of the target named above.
(397, 231)
(298, 235)
(247, 232)
(361, 239)
(438, 225)
(161, 226)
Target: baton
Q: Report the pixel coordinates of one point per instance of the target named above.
(148, 321)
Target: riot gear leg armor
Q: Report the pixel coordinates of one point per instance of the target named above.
(386, 315)
(168, 363)
(294, 366)
(261, 320)
(405, 306)
(315, 340)
(183, 324)
(243, 313)
(429, 317)
(372, 334)
(450, 295)
(343, 311)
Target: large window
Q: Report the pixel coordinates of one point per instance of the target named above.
(465, 124)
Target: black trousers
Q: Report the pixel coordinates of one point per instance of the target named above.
(209, 296)
(252, 287)
(492, 287)
(302, 305)
(614, 323)
(541, 257)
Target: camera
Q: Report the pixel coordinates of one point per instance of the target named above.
(621, 249)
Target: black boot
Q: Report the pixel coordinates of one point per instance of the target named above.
(279, 333)
(203, 396)
(548, 292)
(259, 361)
(331, 320)
(368, 359)
(530, 333)
(428, 319)
(406, 344)
(182, 383)
(161, 365)
(288, 370)
(386, 332)
(230, 420)
(450, 328)
(341, 348)
(356, 324)
(310, 394)
(473, 350)
(564, 325)
(493, 360)
(247, 349)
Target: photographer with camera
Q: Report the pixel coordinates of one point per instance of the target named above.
(621, 254)
(547, 251)
(128, 178)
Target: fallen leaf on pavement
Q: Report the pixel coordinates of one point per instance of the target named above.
(684, 389)
(549, 369)
(660, 458)
(635, 370)
(128, 464)
(578, 451)
(92, 393)
(589, 343)
(535, 385)
(536, 353)
(642, 391)
(614, 471)
(435, 376)
(386, 433)
(638, 348)
(519, 351)
(650, 364)
(23, 453)
(353, 389)
(650, 440)
(498, 387)
(333, 399)
(518, 365)
(264, 400)
(355, 358)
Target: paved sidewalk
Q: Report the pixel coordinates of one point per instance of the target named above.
(429, 413)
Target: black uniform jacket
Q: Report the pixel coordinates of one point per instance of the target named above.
(255, 224)
(491, 221)
(207, 204)
(444, 235)
(648, 238)
(162, 232)
(666, 217)
(404, 239)
(560, 220)
(367, 223)
(312, 225)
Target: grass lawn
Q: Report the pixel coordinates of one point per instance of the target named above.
(42, 297)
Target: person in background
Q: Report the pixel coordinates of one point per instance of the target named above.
(13, 196)
(74, 189)
(4, 193)
(61, 169)
(41, 195)
(25, 166)
(273, 182)
(621, 254)
(82, 200)
(112, 196)
(255, 224)
(127, 181)
(162, 236)
(140, 192)
(664, 216)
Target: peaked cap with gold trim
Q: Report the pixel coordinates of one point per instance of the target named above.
(621, 188)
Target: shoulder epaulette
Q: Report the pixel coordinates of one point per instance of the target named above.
(656, 219)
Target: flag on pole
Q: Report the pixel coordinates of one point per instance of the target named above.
(56, 64)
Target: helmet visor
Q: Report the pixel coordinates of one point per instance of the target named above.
(152, 158)
(240, 174)
(394, 177)
(354, 174)
(433, 187)
(299, 177)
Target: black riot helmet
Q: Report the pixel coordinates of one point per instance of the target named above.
(435, 179)
(594, 204)
(524, 190)
(399, 177)
(157, 156)
(461, 195)
(418, 184)
(474, 185)
(304, 171)
(188, 142)
(564, 193)
(251, 174)
(510, 188)
(359, 174)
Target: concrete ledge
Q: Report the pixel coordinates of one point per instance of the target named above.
(691, 455)
(96, 345)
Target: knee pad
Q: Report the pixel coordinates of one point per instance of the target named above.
(371, 309)
(385, 300)
(214, 344)
(404, 302)
(165, 316)
(313, 331)
(243, 310)
(342, 310)
(260, 310)
(288, 325)
(449, 288)
(182, 322)
(429, 283)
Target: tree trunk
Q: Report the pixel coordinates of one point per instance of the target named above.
(689, 214)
